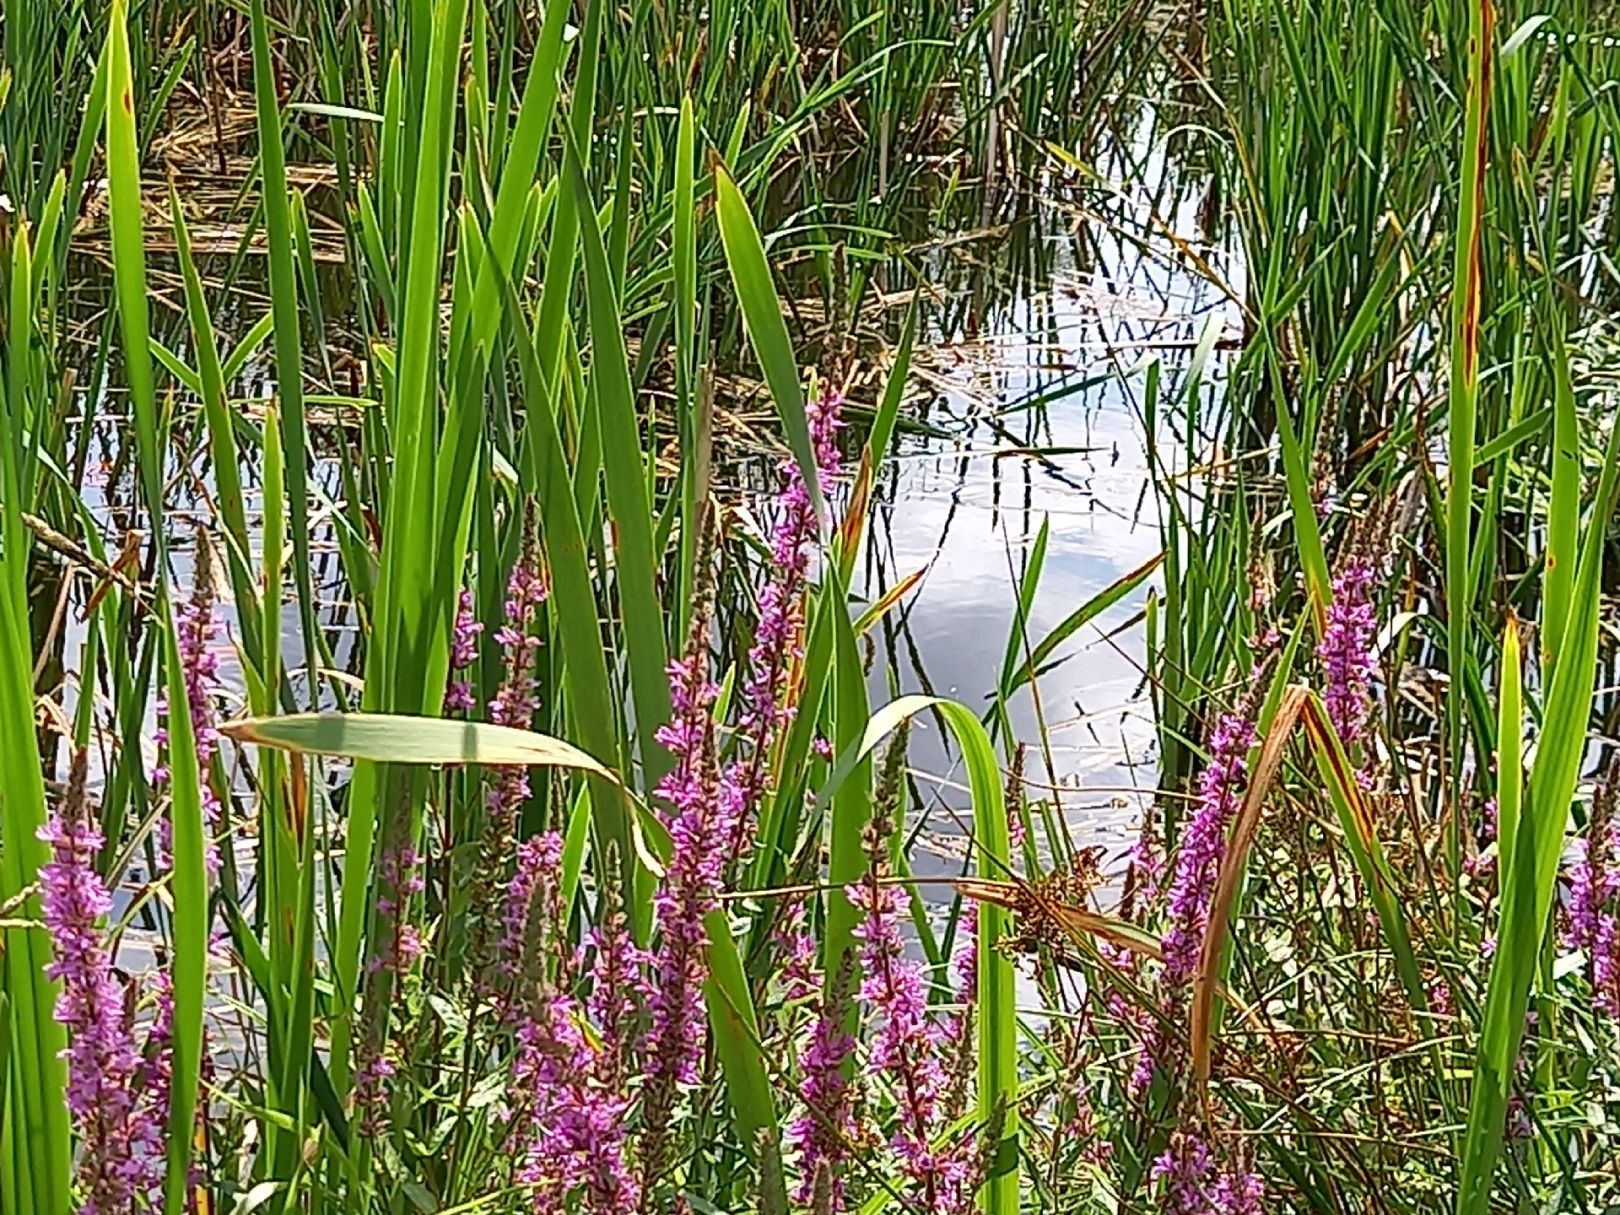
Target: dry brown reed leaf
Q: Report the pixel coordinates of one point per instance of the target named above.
(1292, 707)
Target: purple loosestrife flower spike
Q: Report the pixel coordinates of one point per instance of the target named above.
(766, 711)
(400, 879)
(698, 829)
(120, 1145)
(618, 989)
(515, 701)
(1606, 963)
(1594, 896)
(395, 945)
(792, 933)
(571, 1126)
(1349, 659)
(514, 705)
(458, 694)
(823, 1135)
(1203, 844)
(1196, 1183)
(904, 1049)
(1185, 1168)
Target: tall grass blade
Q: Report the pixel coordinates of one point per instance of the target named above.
(767, 331)
(1530, 862)
(189, 891)
(1464, 385)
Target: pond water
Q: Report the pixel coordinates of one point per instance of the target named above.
(1043, 415)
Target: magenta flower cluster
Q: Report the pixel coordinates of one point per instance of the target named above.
(766, 710)
(1194, 1183)
(116, 1112)
(1203, 845)
(515, 701)
(793, 939)
(700, 828)
(906, 1049)
(458, 692)
(571, 1125)
(1347, 651)
(1594, 910)
(399, 880)
(822, 1136)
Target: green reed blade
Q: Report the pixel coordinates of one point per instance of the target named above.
(1358, 830)
(391, 738)
(1307, 533)
(557, 286)
(35, 1159)
(1466, 286)
(1079, 618)
(762, 317)
(245, 349)
(851, 800)
(574, 609)
(636, 563)
(189, 890)
(226, 471)
(289, 356)
(1528, 882)
(129, 266)
(1563, 510)
(996, 1003)
(683, 254)
(536, 112)
(733, 1020)
(403, 635)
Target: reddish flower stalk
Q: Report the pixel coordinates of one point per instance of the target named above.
(823, 1135)
(458, 692)
(699, 830)
(399, 880)
(194, 636)
(515, 701)
(1195, 1183)
(508, 788)
(395, 944)
(797, 974)
(618, 991)
(1594, 897)
(905, 1050)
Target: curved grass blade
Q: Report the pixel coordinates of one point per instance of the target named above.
(36, 1159)
(626, 476)
(127, 224)
(388, 738)
(287, 332)
(996, 1006)
(1299, 708)
(1464, 380)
